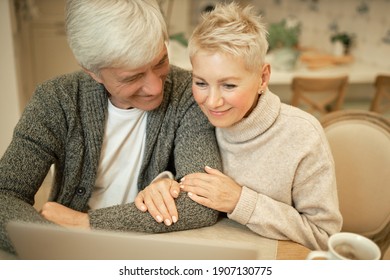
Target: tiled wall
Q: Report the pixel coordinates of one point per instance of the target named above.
(369, 20)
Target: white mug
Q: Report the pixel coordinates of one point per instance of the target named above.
(348, 246)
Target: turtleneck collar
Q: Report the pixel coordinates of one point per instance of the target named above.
(260, 119)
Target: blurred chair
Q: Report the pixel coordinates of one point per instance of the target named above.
(319, 96)
(386, 256)
(360, 144)
(381, 100)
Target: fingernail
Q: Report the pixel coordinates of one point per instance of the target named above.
(143, 208)
(208, 167)
(168, 222)
(159, 219)
(175, 192)
(190, 194)
(182, 179)
(174, 219)
(181, 186)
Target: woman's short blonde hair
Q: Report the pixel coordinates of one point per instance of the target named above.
(232, 30)
(115, 33)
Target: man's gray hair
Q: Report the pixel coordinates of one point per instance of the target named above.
(115, 33)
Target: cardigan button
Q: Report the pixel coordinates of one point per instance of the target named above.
(80, 191)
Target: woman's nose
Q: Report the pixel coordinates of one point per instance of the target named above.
(214, 99)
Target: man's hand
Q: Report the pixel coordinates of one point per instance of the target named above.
(158, 199)
(64, 216)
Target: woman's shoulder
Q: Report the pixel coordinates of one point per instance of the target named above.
(299, 116)
(301, 123)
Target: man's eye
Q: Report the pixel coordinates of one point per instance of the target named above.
(162, 63)
(132, 79)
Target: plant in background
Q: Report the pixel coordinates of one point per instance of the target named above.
(283, 38)
(345, 39)
(179, 37)
(284, 34)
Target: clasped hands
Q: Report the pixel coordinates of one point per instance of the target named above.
(212, 189)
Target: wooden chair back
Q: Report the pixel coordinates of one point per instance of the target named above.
(381, 101)
(319, 96)
(360, 144)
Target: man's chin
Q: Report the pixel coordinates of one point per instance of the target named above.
(150, 105)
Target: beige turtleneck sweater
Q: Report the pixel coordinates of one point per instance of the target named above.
(281, 157)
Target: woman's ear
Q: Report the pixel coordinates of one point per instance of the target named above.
(265, 76)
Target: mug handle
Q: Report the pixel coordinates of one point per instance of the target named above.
(317, 254)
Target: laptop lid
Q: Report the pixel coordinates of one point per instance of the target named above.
(50, 242)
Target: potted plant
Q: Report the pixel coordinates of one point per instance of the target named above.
(283, 38)
(284, 34)
(342, 42)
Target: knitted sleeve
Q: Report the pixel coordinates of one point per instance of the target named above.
(185, 143)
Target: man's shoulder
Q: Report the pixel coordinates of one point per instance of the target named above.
(69, 78)
(71, 88)
(178, 84)
(69, 84)
(179, 75)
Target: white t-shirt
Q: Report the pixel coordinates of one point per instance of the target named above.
(121, 157)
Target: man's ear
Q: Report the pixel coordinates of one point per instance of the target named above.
(93, 75)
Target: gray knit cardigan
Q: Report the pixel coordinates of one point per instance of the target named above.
(63, 125)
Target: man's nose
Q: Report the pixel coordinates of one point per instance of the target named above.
(153, 83)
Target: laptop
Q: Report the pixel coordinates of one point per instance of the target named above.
(51, 242)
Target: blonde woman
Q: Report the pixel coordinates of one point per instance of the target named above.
(278, 176)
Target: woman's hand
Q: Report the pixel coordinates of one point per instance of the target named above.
(158, 199)
(214, 189)
(64, 216)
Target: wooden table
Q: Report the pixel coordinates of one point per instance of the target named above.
(226, 230)
(288, 250)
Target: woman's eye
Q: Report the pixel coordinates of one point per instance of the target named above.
(230, 86)
(200, 84)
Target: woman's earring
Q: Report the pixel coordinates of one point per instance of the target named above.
(261, 92)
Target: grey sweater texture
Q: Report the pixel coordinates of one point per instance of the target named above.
(63, 124)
